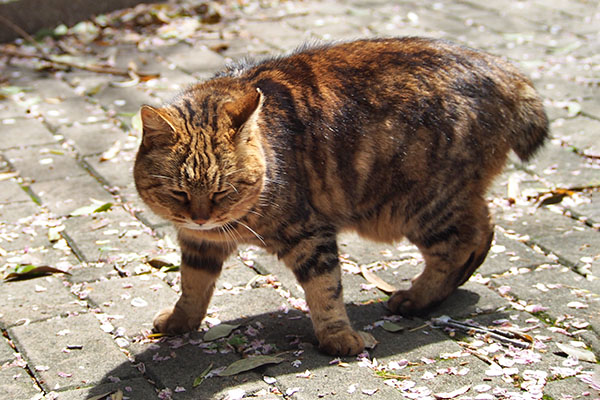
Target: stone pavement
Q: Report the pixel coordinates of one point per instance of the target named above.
(67, 137)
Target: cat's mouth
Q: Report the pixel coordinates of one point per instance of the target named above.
(207, 226)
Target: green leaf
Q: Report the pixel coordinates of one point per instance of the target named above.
(202, 376)
(31, 271)
(95, 207)
(248, 364)
(104, 207)
(136, 122)
(392, 327)
(219, 331)
(6, 91)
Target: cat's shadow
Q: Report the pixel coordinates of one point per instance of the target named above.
(176, 362)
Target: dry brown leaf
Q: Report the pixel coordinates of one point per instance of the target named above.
(377, 281)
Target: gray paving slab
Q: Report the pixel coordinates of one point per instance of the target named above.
(18, 132)
(46, 347)
(50, 162)
(113, 236)
(131, 303)
(16, 384)
(133, 388)
(92, 138)
(38, 299)
(11, 192)
(6, 352)
(80, 190)
(561, 293)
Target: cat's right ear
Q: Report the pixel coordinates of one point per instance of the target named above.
(156, 126)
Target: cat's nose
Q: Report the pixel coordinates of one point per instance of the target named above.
(200, 221)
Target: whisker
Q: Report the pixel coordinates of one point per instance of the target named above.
(252, 231)
(233, 187)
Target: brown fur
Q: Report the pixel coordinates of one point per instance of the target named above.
(392, 138)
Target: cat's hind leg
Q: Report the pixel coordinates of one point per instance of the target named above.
(314, 261)
(453, 248)
(201, 265)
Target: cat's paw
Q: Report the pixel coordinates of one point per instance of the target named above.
(346, 342)
(173, 321)
(405, 302)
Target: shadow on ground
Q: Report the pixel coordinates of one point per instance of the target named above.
(176, 362)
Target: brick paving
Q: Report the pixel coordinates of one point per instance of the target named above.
(83, 335)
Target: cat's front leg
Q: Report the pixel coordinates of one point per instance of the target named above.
(201, 264)
(316, 266)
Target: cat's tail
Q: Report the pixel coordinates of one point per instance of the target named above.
(530, 130)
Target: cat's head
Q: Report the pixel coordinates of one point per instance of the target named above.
(201, 163)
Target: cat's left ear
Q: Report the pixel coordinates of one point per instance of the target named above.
(155, 124)
(242, 109)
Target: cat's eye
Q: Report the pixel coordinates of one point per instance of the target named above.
(180, 195)
(220, 195)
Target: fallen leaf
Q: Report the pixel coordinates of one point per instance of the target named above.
(101, 396)
(111, 152)
(453, 394)
(248, 364)
(580, 354)
(7, 175)
(219, 331)
(577, 305)
(95, 207)
(392, 327)
(370, 341)
(165, 260)
(377, 281)
(31, 271)
(200, 378)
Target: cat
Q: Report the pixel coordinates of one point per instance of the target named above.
(393, 138)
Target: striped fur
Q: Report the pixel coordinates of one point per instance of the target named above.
(392, 138)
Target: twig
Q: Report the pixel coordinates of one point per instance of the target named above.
(19, 31)
(86, 67)
(501, 336)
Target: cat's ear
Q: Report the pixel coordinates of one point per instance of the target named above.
(240, 110)
(156, 125)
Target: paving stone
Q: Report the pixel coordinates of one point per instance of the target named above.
(93, 138)
(558, 234)
(558, 289)
(11, 191)
(64, 196)
(508, 253)
(177, 363)
(42, 345)
(117, 172)
(135, 388)
(576, 132)
(279, 35)
(122, 101)
(24, 132)
(114, 236)
(69, 111)
(202, 60)
(16, 226)
(132, 302)
(564, 168)
(16, 384)
(36, 300)
(51, 162)
(235, 274)
(6, 352)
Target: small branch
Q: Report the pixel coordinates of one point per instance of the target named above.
(19, 31)
(86, 67)
(501, 336)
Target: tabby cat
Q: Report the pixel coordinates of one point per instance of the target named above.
(391, 138)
